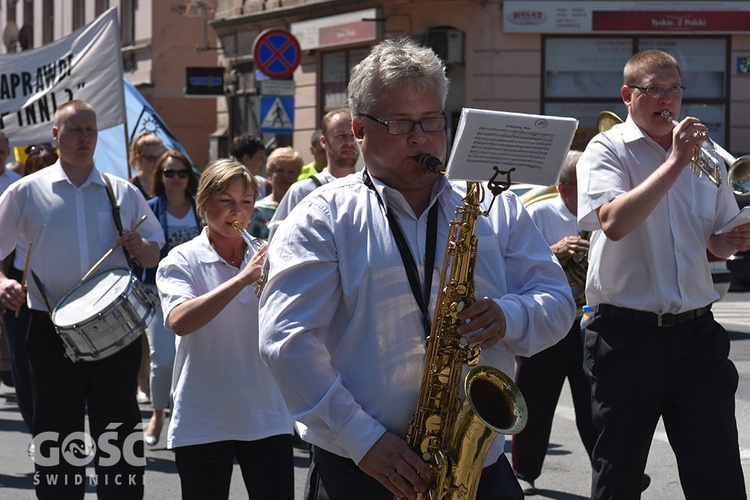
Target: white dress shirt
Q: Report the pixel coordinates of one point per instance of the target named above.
(553, 219)
(296, 193)
(222, 390)
(342, 332)
(661, 265)
(70, 227)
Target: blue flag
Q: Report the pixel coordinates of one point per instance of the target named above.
(111, 153)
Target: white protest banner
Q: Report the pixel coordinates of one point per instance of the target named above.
(85, 65)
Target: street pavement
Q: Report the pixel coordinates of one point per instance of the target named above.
(566, 474)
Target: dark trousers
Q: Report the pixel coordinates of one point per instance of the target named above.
(540, 379)
(683, 374)
(16, 329)
(63, 392)
(332, 477)
(267, 467)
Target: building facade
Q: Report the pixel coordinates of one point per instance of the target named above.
(160, 39)
(554, 57)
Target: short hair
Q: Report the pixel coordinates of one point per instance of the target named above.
(325, 123)
(568, 169)
(287, 153)
(158, 181)
(75, 105)
(245, 144)
(395, 64)
(645, 61)
(218, 176)
(315, 136)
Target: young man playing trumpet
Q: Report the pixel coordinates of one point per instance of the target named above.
(654, 350)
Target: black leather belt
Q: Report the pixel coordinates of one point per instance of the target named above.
(650, 318)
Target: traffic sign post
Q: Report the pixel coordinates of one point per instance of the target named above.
(277, 53)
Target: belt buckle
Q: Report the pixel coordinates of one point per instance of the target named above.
(661, 317)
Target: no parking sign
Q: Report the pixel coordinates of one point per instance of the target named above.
(277, 53)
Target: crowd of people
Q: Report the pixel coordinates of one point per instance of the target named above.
(322, 330)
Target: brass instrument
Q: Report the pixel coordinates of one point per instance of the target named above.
(253, 244)
(606, 120)
(703, 161)
(453, 435)
(575, 267)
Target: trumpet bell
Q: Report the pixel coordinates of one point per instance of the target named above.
(738, 176)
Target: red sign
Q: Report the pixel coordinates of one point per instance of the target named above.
(277, 53)
(670, 21)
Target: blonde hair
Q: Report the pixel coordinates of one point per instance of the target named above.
(142, 141)
(647, 60)
(287, 153)
(218, 176)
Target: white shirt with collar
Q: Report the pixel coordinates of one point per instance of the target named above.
(70, 227)
(341, 331)
(222, 390)
(661, 265)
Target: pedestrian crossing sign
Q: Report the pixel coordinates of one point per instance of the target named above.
(276, 114)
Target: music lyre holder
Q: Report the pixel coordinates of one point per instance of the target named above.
(495, 186)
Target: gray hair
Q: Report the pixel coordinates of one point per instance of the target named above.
(395, 64)
(568, 169)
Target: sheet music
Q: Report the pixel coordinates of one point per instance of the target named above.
(535, 145)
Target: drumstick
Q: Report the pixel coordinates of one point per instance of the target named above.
(25, 274)
(109, 253)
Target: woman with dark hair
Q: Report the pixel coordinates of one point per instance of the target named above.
(174, 184)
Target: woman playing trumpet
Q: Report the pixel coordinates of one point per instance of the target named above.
(226, 405)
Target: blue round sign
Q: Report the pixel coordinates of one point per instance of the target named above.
(277, 53)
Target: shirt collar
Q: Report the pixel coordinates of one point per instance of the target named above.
(204, 252)
(57, 174)
(441, 190)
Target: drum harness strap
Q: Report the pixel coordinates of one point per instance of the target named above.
(118, 222)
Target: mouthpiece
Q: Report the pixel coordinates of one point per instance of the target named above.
(431, 164)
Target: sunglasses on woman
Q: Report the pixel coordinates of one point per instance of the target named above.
(169, 174)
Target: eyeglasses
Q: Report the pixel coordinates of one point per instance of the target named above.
(149, 158)
(403, 127)
(35, 150)
(652, 91)
(169, 174)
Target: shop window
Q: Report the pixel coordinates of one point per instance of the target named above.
(336, 69)
(583, 75)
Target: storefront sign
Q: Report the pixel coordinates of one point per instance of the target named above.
(556, 17)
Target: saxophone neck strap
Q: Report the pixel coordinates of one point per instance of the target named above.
(419, 288)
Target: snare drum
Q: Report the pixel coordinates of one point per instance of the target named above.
(103, 314)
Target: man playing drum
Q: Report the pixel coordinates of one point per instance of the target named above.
(65, 211)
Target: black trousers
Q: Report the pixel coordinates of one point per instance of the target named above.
(682, 373)
(16, 329)
(63, 392)
(540, 379)
(332, 477)
(267, 467)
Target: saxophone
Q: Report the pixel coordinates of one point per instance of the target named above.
(453, 434)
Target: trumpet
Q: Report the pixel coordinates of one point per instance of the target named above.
(253, 245)
(703, 160)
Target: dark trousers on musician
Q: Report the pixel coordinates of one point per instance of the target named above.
(332, 477)
(267, 467)
(540, 379)
(681, 373)
(63, 392)
(16, 328)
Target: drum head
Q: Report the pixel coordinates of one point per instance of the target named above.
(91, 297)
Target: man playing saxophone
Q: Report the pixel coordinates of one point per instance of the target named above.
(352, 287)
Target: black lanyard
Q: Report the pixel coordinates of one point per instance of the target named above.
(422, 295)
